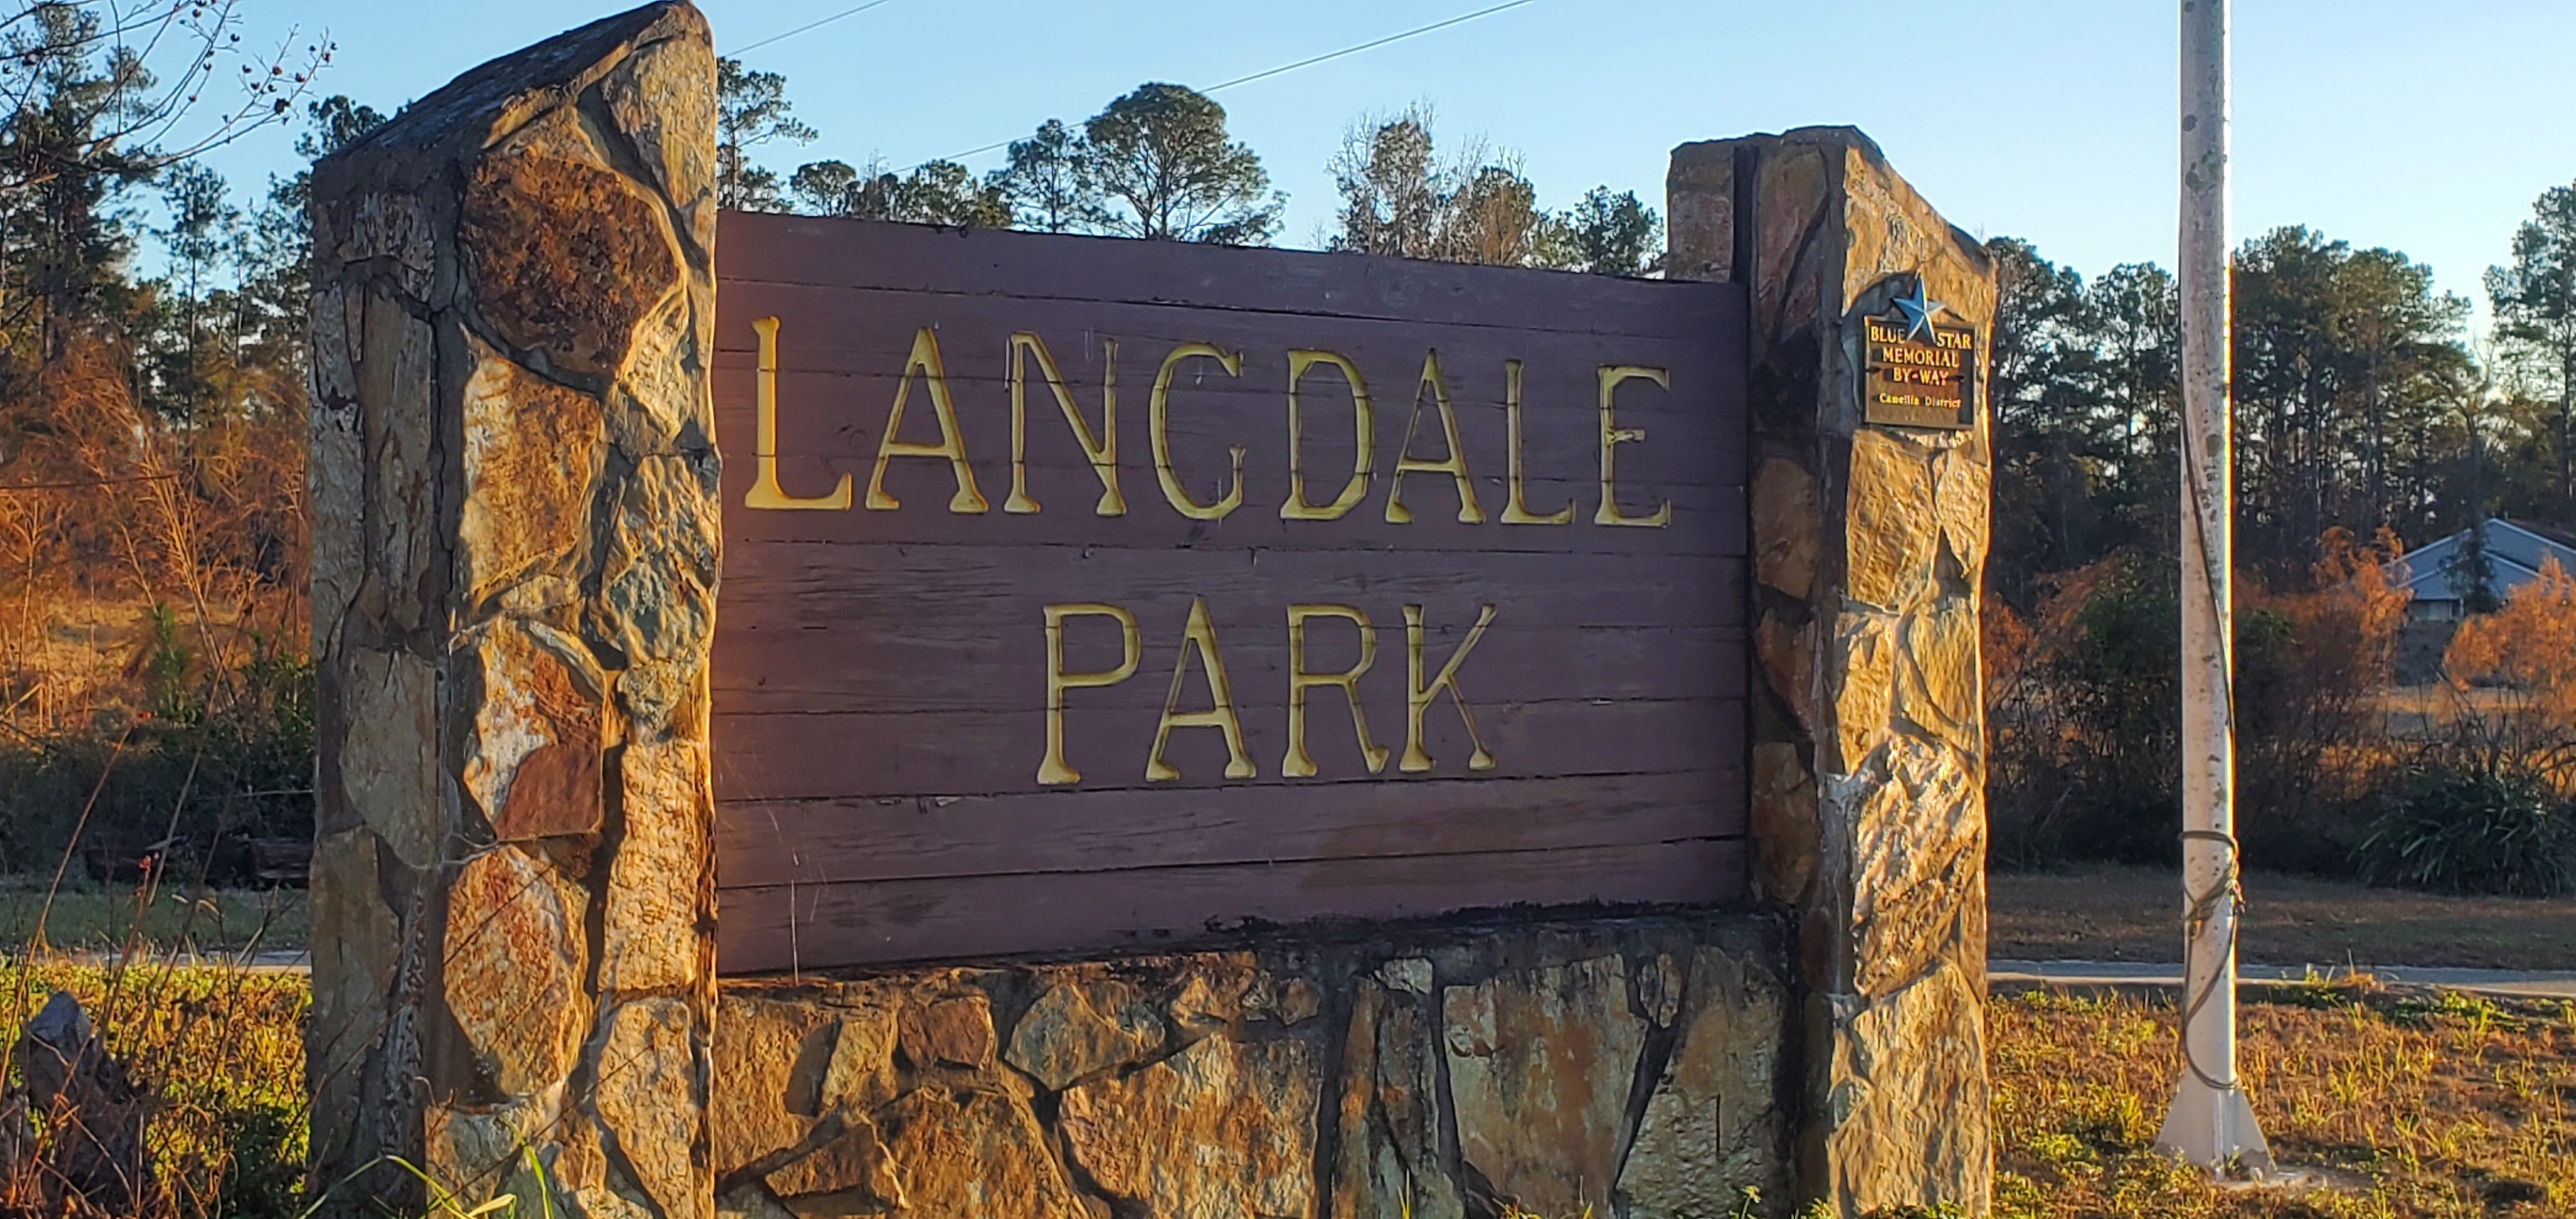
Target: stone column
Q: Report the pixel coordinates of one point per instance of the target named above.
(1868, 755)
(513, 497)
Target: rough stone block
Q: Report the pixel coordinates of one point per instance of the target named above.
(388, 758)
(1079, 1029)
(1787, 525)
(1790, 221)
(402, 524)
(976, 1153)
(1918, 837)
(1788, 657)
(1912, 1099)
(657, 885)
(1863, 676)
(564, 256)
(660, 592)
(770, 1058)
(1245, 1112)
(1390, 1163)
(956, 1031)
(532, 766)
(1539, 1067)
(1713, 1124)
(1892, 530)
(1941, 693)
(356, 946)
(657, 395)
(852, 1166)
(1962, 493)
(532, 461)
(477, 1150)
(659, 99)
(860, 1074)
(513, 969)
(1211, 993)
(1786, 830)
(649, 1097)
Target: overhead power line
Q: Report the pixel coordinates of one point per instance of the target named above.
(739, 52)
(1308, 62)
(1367, 46)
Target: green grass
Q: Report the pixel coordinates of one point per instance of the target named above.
(87, 917)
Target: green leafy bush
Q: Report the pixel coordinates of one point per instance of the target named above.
(2462, 823)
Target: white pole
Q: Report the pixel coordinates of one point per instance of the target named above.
(2210, 1125)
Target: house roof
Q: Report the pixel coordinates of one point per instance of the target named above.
(2515, 554)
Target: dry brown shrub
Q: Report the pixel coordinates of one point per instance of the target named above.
(107, 505)
(2343, 632)
(2528, 647)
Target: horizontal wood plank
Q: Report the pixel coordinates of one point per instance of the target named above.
(957, 753)
(826, 841)
(1710, 522)
(863, 663)
(810, 927)
(766, 248)
(984, 588)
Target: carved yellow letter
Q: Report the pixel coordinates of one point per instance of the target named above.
(1053, 769)
(1299, 763)
(952, 443)
(1417, 696)
(1201, 635)
(1158, 412)
(1455, 465)
(1101, 449)
(1516, 509)
(1613, 436)
(1364, 425)
(765, 491)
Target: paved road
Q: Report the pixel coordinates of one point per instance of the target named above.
(298, 961)
(2498, 983)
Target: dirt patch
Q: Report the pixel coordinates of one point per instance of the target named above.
(2134, 914)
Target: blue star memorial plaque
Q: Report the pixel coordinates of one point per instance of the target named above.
(1920, 372)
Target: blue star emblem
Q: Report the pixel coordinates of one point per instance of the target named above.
(1919, 310)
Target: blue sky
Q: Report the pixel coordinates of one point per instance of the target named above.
(2426, 127)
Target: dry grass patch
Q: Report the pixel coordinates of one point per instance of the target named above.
(2450, 1107)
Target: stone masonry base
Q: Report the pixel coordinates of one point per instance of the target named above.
(1616, 1066)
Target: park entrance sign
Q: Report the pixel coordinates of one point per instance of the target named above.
(819, 717)
(1084, 594)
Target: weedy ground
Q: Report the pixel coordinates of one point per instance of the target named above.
(222, 1052)
(2432, 1106)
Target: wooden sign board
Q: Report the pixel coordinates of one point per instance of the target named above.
(1084, 594)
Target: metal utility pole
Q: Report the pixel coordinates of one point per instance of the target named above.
(2210, 1125)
